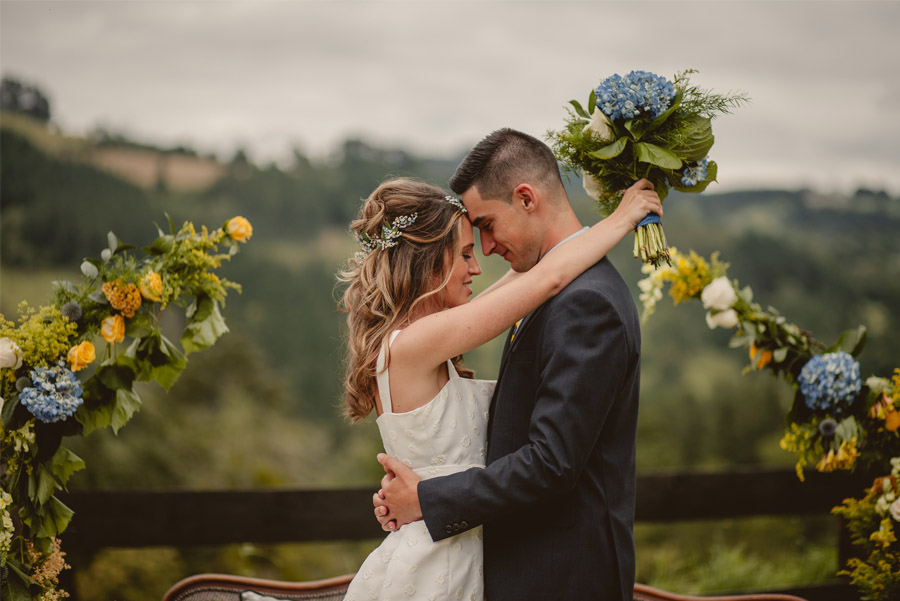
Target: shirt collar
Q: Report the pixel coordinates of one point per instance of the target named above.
(561, 242)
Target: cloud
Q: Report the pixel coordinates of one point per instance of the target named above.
(436, 76)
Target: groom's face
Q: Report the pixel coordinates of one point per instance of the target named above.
(505, 229)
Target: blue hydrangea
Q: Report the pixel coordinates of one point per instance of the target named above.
(694, 174)
(54, 394)
(830, 381)
(638, 93)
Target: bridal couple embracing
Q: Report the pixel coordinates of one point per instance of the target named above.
(521, 488)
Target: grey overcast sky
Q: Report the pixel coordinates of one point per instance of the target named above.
(436, 75)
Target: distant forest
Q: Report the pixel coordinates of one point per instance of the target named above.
(828, 262)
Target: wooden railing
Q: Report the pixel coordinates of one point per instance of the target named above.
(189, 518)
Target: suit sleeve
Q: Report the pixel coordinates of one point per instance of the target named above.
(582, 359)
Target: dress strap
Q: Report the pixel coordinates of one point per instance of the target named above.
(381, 377)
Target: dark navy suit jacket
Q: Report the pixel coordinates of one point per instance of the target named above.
(557, 496)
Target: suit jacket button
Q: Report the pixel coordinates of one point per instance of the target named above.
(449, 529)
(464, 524)
(456, 527)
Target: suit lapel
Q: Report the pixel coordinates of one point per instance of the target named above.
(508, 349)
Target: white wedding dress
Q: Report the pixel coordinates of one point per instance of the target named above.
(444, 436)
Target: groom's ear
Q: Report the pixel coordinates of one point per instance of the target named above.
(524, 195)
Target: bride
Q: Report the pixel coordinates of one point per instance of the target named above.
(409, 321)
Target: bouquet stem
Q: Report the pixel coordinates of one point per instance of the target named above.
(650, 242)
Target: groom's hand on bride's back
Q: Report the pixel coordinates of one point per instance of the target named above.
(397, 503)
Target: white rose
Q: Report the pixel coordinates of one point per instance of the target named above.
(10, 354)
(600, 126)
(591, 186)
(722, 319)
(895, 510)
(719, 295)
(881, 506)
(877, 384)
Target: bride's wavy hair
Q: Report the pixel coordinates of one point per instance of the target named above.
(386, 285)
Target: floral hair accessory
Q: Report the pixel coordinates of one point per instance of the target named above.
(456, 203)
(388, 236)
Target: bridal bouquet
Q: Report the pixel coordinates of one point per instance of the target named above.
(642, 126)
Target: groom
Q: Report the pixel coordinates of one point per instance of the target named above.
(557, 496)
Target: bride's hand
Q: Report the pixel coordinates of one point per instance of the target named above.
(637, 201)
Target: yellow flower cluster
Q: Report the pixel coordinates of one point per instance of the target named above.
(887, 407)
(191, 253)
(844, 459)
(804, 443)
(690, 276)
(123, 297)
(884, 536)
(42, 335)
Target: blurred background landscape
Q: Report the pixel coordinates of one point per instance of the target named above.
(261, 409)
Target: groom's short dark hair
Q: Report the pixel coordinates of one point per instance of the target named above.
(501, 161)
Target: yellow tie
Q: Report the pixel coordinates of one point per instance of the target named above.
(515, 329)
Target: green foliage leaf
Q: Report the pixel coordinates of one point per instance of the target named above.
(96, 411)
(56, 517)
(611, 150)
(780, 354)
(661, 118)
(636, 127)
(12, 419)
(112, 241)
(116, 376)
(851, 341)
(64, 464)
(205, 326)
(139, 326)
(161, 245)
(592, 102)
(127, 404)
(45, 485)
(94, 418)
(578, 109)
(656, 155)
(16, 589)
(695, 139)
(847, 429)
(98, 297)
(64, 285)
(89, 269)
(167, 370)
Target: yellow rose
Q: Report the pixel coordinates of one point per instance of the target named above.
(892, 421)
(239, 229)
(81, 355)
(113, 328)
(759, 358)
(151, 286)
